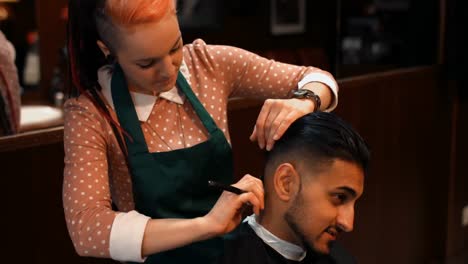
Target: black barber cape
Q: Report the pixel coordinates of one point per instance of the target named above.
(244, 246)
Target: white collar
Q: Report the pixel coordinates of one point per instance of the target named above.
(144, 103)
(286, 249)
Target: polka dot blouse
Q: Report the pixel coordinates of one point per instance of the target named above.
(95, 173)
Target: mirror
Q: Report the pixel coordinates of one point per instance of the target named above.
(38, 40)
(19, 60)
(380, 35)
(19, 25)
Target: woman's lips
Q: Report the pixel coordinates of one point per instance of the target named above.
(165, 82)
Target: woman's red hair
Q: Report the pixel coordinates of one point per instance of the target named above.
(85, 58)
(132, 12)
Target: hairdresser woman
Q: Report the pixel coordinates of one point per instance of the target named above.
(148, 128)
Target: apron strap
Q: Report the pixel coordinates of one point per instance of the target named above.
(205, 118)
(126, 111)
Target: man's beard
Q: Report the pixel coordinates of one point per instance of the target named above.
(291, 217)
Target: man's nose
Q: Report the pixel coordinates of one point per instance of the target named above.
(345, 218)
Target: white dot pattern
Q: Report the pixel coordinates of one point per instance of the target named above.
(95, 172)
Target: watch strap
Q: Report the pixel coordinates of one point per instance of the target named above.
(308, 94)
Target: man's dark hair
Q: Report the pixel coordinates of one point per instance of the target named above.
(321, 138)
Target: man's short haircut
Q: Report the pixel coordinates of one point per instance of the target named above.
(319, 138)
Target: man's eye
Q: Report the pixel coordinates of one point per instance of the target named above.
(340, 198)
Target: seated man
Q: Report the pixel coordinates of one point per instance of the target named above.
(313, 177)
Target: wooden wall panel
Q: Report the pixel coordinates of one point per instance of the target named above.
(248, 157)
(457, 235)
(456, 55)
(38, 221)
(404, 117)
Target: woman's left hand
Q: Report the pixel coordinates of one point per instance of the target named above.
(275, 117)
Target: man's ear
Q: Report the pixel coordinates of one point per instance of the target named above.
(105, 50)
(286, 182)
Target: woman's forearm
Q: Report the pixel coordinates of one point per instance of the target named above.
(165, 234)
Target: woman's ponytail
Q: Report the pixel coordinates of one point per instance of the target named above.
(85, 58)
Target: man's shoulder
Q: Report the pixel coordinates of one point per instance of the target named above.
(242, 238)
(340, 255)
(242, 246)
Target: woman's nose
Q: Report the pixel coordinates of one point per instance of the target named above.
(167, 68)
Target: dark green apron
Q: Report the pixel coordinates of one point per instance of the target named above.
(174, 184)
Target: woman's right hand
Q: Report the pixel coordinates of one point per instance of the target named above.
(165, 234)
(227, 212)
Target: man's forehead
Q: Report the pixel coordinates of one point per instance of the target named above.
(340, 174)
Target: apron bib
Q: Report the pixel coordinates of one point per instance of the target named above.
(174, 184)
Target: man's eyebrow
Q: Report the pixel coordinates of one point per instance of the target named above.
(349, 190)
(150, 59)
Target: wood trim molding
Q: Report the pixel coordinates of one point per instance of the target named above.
(31, 139)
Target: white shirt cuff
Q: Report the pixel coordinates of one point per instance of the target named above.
(126, 238)
(325, 79)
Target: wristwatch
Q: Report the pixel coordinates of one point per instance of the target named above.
(308, 94)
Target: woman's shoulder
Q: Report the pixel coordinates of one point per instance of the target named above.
(81, 105)
(199, 54)
(197, 44)
(81, 113)
(82, 101)
(200, 44)
(197, 50)
(200, 48)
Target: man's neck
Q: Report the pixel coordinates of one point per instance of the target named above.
(276, 224)
(285, 248)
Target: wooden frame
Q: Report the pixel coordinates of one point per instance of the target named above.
(198, 15)
(287, 16)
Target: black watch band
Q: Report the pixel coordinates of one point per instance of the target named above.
(308, 94)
